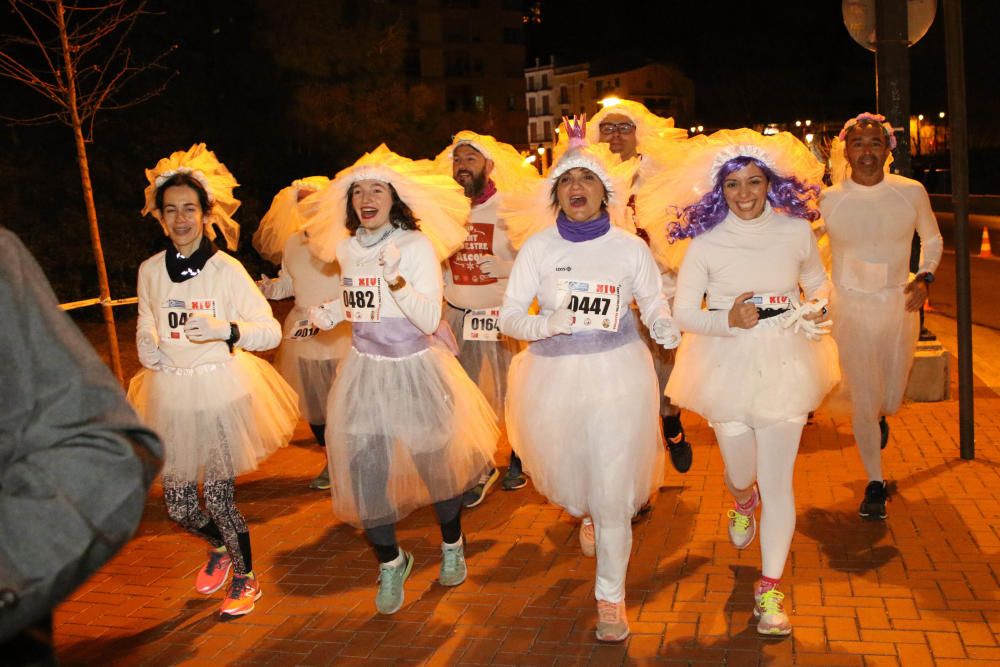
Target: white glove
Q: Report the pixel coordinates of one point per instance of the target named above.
(494, 267)
(150, 355)
(327, 315)
(560, 320)
(665, 333)
(811, 329)
(266, 286)
(203, 328)
(389, 257)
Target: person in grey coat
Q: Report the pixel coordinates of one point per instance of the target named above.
(75, 462)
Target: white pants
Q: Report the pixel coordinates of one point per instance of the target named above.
(613, 549)
(767, 456)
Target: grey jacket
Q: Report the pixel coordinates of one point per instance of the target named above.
(75, 463)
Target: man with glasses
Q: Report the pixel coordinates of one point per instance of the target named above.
(476, 277)
(633, 131)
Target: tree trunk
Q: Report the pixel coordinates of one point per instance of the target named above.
(88, 198)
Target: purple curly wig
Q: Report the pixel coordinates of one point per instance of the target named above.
(788, 195)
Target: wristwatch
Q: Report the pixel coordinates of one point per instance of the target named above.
(926, 276)
(234, 335)
(397, 284)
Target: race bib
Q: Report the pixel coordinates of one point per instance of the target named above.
(174, 314)
(482, 325)
(302, 330)
(770, 301)
(596, 304)
(464, 264)
(362, 298)
(862, 276)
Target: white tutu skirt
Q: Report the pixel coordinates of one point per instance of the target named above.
(310, 365)
(663, 365)
(404, 433)
(486, 362)
(586, 428)
(760, 376)
(876, 338)
(218, 420)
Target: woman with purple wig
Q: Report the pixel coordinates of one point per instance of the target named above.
(755, 362)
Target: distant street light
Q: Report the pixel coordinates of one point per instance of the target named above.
(610, 102)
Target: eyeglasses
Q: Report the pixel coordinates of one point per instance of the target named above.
(623, 129)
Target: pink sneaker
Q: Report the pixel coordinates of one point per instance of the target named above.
(612, 622)
(769, 608)
(587, 538)
(213, 576)
(743, 523)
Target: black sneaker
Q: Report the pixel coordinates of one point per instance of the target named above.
(477, 494)
(514, 478)
(680, 452)
(883, 427)
(873, 506)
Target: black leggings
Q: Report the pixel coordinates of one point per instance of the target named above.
(223, 524)
(370, 475)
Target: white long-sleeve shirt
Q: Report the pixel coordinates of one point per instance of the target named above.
(871, 230)
(617, 258)
(464, 284)
(223, 289)
(773, 254)
(420, 299)
(304, 276)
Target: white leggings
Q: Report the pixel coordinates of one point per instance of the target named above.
(767, 456)
(613, 546)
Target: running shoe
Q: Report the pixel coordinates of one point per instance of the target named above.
(213, 576)
(743, 523)
(769, 609)
(514, 478)
(873, 506)
(453, 569)
(612, 622)
(477, 494)
(322, 480)
(243, 592)
(681, 455)
(389, 598)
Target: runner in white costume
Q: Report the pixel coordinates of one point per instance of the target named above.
(632, 131)
(475, 277)
(308, 357)
(871, 217)
(219, 410)
(406, 426)
(582, 406)
(755, 362)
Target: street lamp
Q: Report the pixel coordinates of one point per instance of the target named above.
(610, 102)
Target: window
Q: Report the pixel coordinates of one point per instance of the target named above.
(479, 102)
(545, 106)
(531, 106)
(545, 81)
(532, 132)
(511, 103)
(563, 95)
(547, 131)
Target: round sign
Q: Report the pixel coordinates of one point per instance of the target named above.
(859, 18)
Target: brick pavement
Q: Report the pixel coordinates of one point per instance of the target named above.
(919, 589)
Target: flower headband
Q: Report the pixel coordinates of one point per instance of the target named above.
(874, 118)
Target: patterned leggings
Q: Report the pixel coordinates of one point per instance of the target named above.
(223, 524)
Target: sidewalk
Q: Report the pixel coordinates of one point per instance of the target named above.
(918, 589)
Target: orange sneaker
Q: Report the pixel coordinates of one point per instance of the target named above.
(243, 592)
(612, 623)
(213, 576)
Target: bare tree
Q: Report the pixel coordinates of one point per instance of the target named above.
(76, 56)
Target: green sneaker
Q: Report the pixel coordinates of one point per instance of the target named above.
(389, 598)
(322, 480)
(453, 570)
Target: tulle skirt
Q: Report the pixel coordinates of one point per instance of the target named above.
(486, 362)
(663, 365)
(217, 420)
(587, 430)
(876, 338)
(758, 377)
(310, 365)
(404, 433)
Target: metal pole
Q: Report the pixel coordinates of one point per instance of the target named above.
(955, 58)
(892, 75)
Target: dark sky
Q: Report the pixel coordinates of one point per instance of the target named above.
(792, 58)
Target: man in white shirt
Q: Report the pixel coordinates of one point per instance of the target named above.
(871, 217)
(632, 131)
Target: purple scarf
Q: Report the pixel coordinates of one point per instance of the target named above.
(576, 232)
